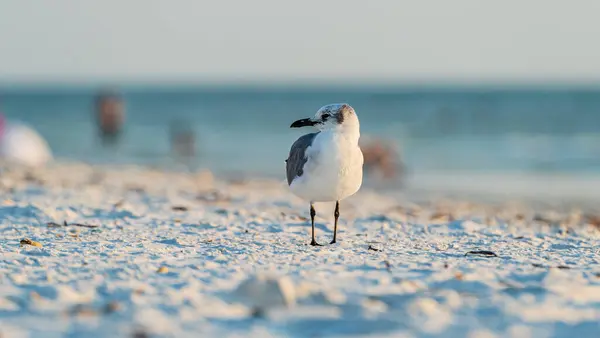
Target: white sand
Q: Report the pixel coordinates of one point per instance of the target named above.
(236, 263)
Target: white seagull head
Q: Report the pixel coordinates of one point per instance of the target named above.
(336, 116)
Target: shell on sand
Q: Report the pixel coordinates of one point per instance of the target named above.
(264, 292)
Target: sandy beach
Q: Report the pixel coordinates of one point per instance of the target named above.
(136, 252)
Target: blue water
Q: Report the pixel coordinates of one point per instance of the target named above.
(246, 130)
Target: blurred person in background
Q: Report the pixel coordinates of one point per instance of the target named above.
(183, 141)
(110, 115)
(381, 156)
(22, 144)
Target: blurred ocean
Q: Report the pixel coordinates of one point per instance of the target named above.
(246, 130)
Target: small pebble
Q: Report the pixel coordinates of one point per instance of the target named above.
(27, 241)
(112, 307)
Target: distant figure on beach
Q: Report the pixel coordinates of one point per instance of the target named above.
(382, 157)
(21, 144)
(183, 141)
(110, 115)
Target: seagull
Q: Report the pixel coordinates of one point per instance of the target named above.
(326, 166)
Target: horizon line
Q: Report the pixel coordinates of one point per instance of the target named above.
(433, 84)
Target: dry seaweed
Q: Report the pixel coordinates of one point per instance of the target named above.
(484, 253)
(373, 248)
(65, 224)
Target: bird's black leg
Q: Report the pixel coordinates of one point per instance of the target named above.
(336, 214)
(312, 221)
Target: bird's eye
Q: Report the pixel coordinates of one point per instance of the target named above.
(325, 116)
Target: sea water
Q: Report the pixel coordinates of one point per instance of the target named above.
(245, 130)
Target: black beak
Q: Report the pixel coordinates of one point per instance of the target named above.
(303, 123)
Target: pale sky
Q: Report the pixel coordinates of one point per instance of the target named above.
(254, 40)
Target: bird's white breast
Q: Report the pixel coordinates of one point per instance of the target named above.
(333, 170)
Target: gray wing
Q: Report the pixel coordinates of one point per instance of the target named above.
(297, 158)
